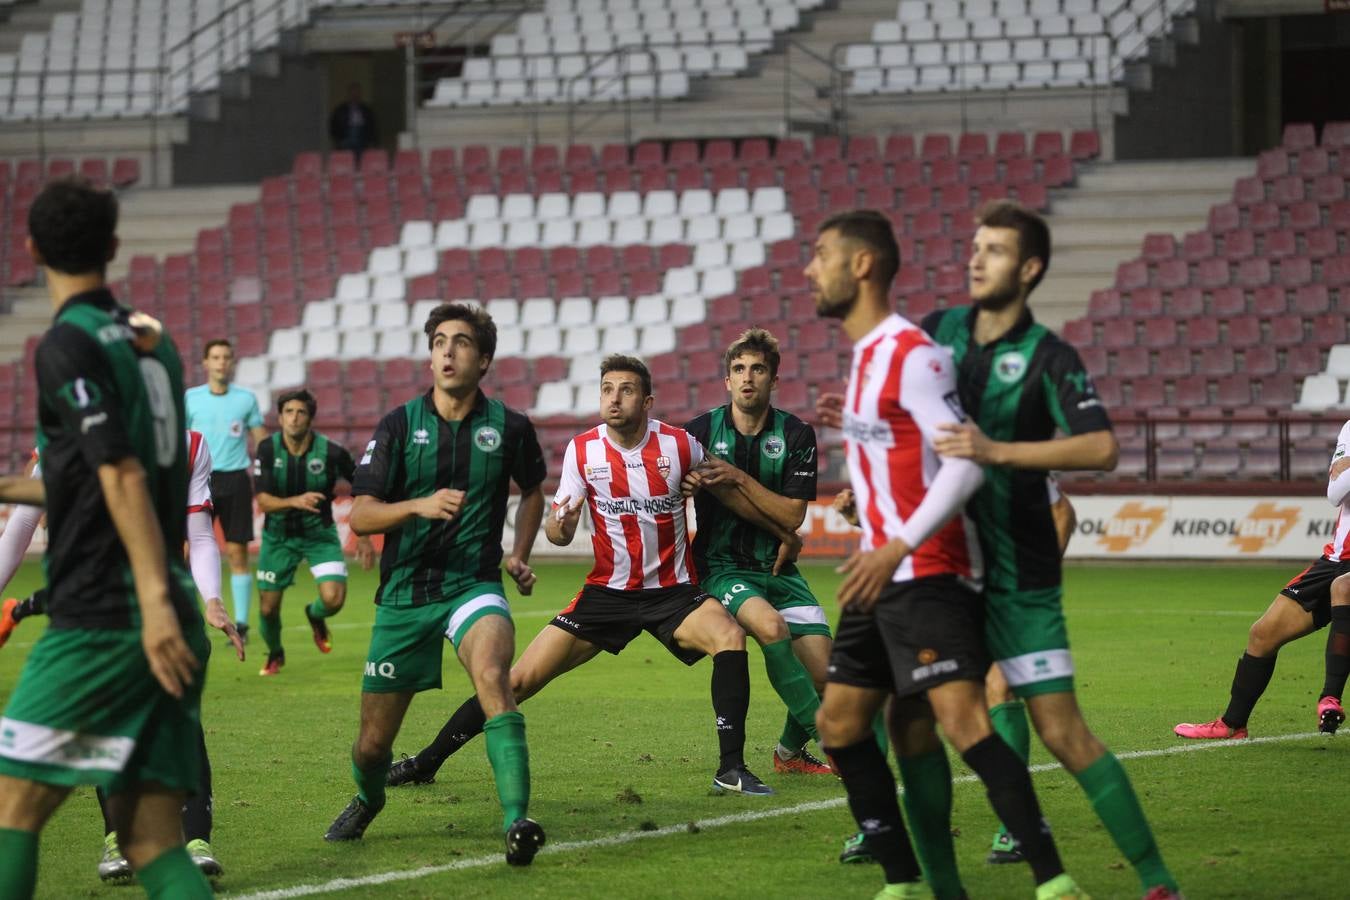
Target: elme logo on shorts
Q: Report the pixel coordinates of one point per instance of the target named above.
(383, 670)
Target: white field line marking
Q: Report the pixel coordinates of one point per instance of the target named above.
(629, 837)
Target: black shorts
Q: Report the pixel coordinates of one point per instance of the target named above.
(232, 504)
(1311, 588)
(611, 618)
(919, 635)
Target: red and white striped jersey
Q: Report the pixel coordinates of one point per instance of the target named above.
(637, 511)
(199, 473)
(901, 387)
(1338, 548)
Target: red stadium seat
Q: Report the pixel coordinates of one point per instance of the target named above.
(442, 159)
(789, 150)
(1057, 171)
(1278, 244)
(1249, 191)
(1186, 303)
(1299, 136)
(936, 146)
(1259, 361)
(972, 145)
(1272, 164)
(1302, 360)
(826, 147)
(1105, 304)
(1224, 217)
(1252, 272)
(1010, 145)
(1327, 189)
(1269, 300)
(1311, 300)
(1227, 301)
(1159, 333)
(126, 172)
(1286, 330)
(900, 147)
(1288, 190)
(863, 148)
(1295, 271)
(1303, 216)
(1212, 273)
(1131, 275)
(1121, 333)
(1244, 331)
(1172, 273)
(1046, 144)
(1202, 331)
(1159, 246)
(1144, 303)
(1130, 362)
(1263, 216)
(1085, 145)
(1078, 332)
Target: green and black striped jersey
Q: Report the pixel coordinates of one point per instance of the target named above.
(414, 454)
(100, 401)
(782, 457)
(1024, 386)
(278, 472)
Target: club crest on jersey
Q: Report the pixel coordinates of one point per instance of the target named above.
(597, 472)
(236, 428)
(487, 439)
(315, 466)
(663, 466)
(421, 437)
(773, 447)
(1010, 367)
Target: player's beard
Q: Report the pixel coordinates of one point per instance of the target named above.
(836, 304)
(1000, 297)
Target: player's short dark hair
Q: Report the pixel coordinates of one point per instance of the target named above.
(300, 394)
(617, 362)
(873, 229)
(1033, 235)
(73, 225)
(216, 342)
(754, 340)
(480, 323)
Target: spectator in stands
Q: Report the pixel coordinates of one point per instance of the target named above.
(352, 124)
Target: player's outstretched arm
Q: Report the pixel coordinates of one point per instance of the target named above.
(1338, 478)
(204, 559)
(128, 500)
(372, 516)
(307, 502)
(1093, 450)
(18, 534)
(22, 489)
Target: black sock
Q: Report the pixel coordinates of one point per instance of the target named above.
(1249, 683)
(108, 827)
(871, 797)
(1338, 652)
(1008, 785)
(197, 817)
(464, 724)
(731, 702)
(35, 605)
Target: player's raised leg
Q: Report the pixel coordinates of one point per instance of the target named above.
(332, 597)
(1330, 713)
(1283, 621)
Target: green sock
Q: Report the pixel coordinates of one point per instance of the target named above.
(794, 736)
(793, 683)
(510, 758)
(370, 783)
(1010, 723)
(318, 610)
(928, 807)
(173, 876)
(879, 729)
(1111, 795)
(18, 876)
(270, 626)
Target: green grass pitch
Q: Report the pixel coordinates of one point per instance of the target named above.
(623, 750)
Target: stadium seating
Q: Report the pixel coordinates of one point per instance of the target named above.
(598, 50)
(942, 45)
(20, 183)
(1244, 319)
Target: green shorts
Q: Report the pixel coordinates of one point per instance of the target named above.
(406, 642)
(789, 594)
(1027, 635)
(87, 710)
(280, 557)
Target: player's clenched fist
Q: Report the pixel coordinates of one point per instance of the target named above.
(444, 504)
(866, 573)
(522, 574)
(846, 504)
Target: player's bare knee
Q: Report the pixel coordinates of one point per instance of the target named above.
(727, 635)
(334, 598)
(1340, 591)
(1263, 639)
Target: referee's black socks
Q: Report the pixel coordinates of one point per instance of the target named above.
(1008, 784)
(731, 703)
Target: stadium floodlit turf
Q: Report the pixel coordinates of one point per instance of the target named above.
(623, 752)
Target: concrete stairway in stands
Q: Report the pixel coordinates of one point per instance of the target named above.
(155, 221)
(1101, 221)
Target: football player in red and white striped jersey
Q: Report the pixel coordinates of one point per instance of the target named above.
(912, 620)
(626, 474)
(1314, 598)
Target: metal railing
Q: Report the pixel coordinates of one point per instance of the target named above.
(834, 110)
(620, 75)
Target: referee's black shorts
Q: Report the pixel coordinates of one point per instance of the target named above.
(232, 504)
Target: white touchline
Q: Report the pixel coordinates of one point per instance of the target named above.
(628, 837)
